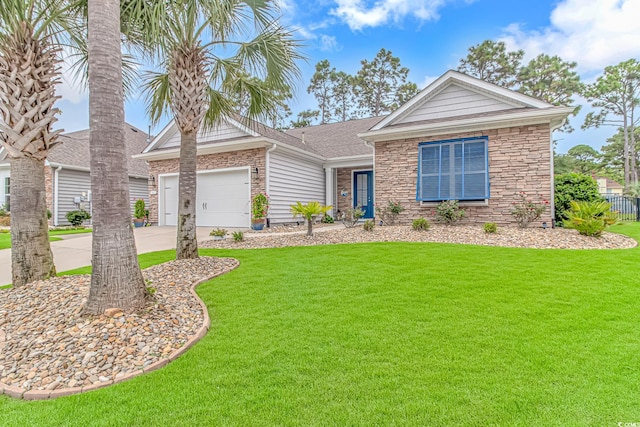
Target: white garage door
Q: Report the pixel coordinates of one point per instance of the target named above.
(169, 200)
(223, 199)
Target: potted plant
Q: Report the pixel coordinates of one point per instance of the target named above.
(218, 233)
(259, 210)
(139, 213)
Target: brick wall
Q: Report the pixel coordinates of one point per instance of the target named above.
(253, 158)
(519, 160)
(48, 186)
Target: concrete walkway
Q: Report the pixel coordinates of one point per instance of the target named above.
(74, 251)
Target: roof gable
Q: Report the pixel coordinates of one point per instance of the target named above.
(457, 95)
(226, 130)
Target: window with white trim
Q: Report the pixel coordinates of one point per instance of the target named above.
(453, 170)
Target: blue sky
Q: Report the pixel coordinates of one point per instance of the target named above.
(431, 36)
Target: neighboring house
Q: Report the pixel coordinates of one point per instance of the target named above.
(459, 139)
(609, 186)
(67, 178)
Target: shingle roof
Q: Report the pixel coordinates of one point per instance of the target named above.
(73, 150)
(334, 140)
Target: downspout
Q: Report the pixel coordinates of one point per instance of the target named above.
(552, 203)
(55, 195)
(373, 168)
(267, 174)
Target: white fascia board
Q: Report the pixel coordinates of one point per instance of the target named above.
(509, 119)
(349, 161)
(219, 147)
(71, 167)
(508, 96)
(161, 137)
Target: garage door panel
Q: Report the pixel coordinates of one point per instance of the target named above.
(224, 199)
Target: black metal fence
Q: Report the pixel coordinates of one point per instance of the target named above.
(627, 208)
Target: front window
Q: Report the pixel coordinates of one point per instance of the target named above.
(453, 170)
(7, 186)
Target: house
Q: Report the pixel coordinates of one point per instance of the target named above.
(459, 139)
(67, 179)
(608, 186)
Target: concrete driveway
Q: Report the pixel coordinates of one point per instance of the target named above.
(74, 250)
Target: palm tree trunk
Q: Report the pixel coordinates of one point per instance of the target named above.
(116, 280)
(31, 256)
(187, 244)
(310, 226)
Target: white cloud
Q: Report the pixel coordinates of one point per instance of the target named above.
(427, 81)
(359, 14)
(69, 89)
(594, 33)
(329, 43)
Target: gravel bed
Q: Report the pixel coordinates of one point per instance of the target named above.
(557, 238)
(46, 343)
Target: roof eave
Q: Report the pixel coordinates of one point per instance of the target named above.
(520, 118)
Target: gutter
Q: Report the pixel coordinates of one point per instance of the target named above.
(55, 195)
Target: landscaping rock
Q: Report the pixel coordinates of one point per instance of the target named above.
(50, 345)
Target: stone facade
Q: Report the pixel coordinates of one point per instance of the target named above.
(48, 186)
(254, 158)
(519, 160)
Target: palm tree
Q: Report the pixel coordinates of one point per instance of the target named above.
(199, 86)
(31, 32)
(116, 280)
(309, 212)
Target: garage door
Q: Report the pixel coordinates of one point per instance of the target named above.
(223, 199)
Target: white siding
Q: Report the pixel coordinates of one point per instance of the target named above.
(138, 189)
(219, 133)
(4, 174)
(293, 179)
(71, 184)
(455, 101)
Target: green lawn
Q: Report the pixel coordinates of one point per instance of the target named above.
(393, 334)
(5, 238)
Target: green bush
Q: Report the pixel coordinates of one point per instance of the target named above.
(420, 224)
(139, 211)
(238, 236)
(572, 187)
(351, 216)
(525, 210)
(327, 219)
(449, 212)
(389, 214)
(76, 218)
(368, 225)
(590, 218)
(218, 232)
(48, 214)
(490, 227)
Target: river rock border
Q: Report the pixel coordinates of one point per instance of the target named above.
(206, 269)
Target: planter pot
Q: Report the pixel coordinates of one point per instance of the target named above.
(137, 223)
(258, 224)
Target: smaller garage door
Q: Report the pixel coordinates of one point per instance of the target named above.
(170, 201)
(223, 199)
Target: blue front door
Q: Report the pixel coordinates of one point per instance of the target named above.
(363, 192)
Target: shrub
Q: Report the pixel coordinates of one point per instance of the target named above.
(48, 214)
(525, 210)
(571, 187)
(327, 219)
(139, 209)
(3, 210)
(420, 224)
(218, 232)
(389, 214)
(490, 227)
(238, 236)
(449, 212)
(76, 218)
(351, 216)
(309, 212)
(260, 206)
(590, 218)
(368, 225)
